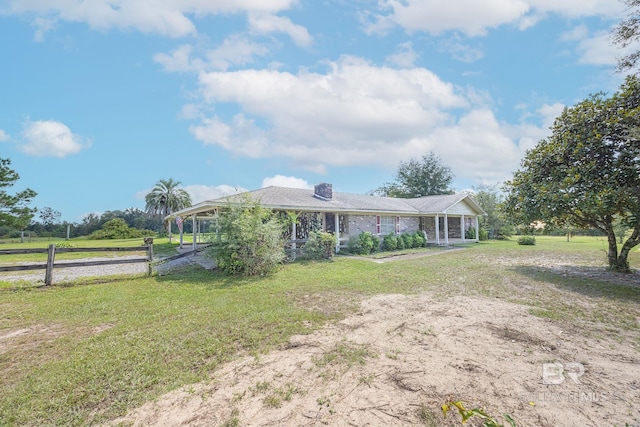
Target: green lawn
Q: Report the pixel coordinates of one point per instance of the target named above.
(84, 354)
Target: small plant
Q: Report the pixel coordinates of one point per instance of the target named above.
(466, 414)
(319, 245)
(408, 240)
(419, 240)
(363, 244)
(389, 242)
(527, 240)
(400, 241)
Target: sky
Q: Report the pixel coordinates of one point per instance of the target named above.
(100, 99)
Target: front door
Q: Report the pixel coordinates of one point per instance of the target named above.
(330, 223)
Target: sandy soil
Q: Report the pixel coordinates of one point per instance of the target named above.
(401, 357)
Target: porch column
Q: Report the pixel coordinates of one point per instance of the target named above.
(181, 234)
(477, 229)
(336, 221)
(294, 247)
(437, 229)
(446, 229)
(462, 230)
(195, 221)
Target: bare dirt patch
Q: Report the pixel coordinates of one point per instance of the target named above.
(401, 357)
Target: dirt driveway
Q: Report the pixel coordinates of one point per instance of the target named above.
(398, 359)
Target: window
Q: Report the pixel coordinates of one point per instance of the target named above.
(387, 225)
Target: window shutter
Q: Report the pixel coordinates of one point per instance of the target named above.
(397, 225)
(377, 224)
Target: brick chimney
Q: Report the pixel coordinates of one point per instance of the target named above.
(323, 191)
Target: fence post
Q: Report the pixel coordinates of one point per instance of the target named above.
(150, 255)
(51, 254)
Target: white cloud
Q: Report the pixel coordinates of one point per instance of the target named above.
(51, 139)
(201, 193)
(269, 23)
(4, 136)
(234, 51)
(359, 114)
(405, 57)
(179, 60)
(285, 181)
(477, 17)
(166, 17)
(460, 51)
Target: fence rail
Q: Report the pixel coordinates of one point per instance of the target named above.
(52, 250)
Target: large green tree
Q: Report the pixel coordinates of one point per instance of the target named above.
(14, 209)
(165, 198)
(628, 32)
(587, 172)
(494, 222)
(426, 176)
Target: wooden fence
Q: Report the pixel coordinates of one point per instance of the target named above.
(52, 250)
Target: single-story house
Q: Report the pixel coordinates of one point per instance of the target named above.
(444, 219)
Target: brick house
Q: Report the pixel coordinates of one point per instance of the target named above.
(444, 219)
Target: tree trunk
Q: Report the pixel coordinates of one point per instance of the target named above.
(612, 254)
(632, 242)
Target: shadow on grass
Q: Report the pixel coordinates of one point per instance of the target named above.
(212, 279)
(589, 281)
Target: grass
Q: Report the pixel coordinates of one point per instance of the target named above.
(85, 354)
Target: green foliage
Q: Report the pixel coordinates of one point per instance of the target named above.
(253, 243)
(14, 209)
(319, 245)
(408, 240)
(418, 240)
(363, 244)
(466, 414)
(165, 198)
(117, 228)
(586, 172)
(419, 178)
(495, 223)
(527, 240)
(389, 242)
(400, 245)
(626, 33)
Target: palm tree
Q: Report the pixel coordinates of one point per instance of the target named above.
(165, 198)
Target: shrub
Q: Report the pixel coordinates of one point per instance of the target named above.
(354, 246)
(400, 245)
(117, 228)
(363, 244)
(319, 245)
(483, 234)
(419, 240)
(253, 243)
(408, 240)
(389, 242)
(527, 240)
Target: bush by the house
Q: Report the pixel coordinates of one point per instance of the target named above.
(408, 240)
(363, 244)
(253, 243)
(419, 240)
(527, 240)
(389, 242)
(117, 228)
(400, 244)
(319, 245)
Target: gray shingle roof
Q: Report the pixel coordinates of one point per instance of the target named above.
(302, 199)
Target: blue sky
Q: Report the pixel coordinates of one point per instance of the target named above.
(102, 98)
